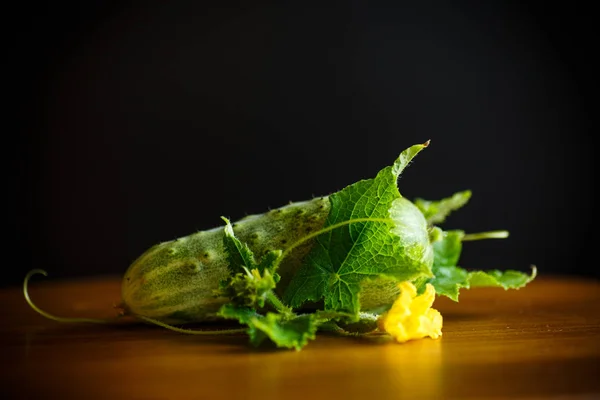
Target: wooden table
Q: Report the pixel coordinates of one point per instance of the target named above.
(542, 341)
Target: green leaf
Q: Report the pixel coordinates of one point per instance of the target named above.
(283, 332)
(250, 283)
(436, 212)
(406, 157)
(508, 279)
(270, 262)
(250, 288)
(246, 316)
(294, 333)
(449, 278)
(446, 251)
(240, 313)
(388, 238)
(239, 255)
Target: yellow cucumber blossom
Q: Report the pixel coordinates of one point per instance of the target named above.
(411, 316)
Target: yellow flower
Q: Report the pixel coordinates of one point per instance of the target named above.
(411, 316)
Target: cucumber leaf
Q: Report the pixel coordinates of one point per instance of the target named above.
(293, 333)
(243, 315)
(241, 258)
(372, 246)
(446, 252)
(450, 278)
(249, 286)
(508, 279)
(436, 212)
(287, 333)
(250, 283)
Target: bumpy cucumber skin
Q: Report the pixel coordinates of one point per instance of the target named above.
(175, 281)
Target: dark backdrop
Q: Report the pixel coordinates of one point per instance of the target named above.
(141, 122)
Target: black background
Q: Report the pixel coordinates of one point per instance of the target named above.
(140, 122)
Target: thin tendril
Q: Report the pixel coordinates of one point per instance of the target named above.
(50, 316)
(189, 331)
(485, 235)
(102, 321)
(278, 304)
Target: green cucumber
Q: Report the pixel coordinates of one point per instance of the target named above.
(176, 281)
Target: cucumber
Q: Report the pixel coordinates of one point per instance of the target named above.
(176, 281)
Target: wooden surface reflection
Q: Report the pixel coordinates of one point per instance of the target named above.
(539, 342)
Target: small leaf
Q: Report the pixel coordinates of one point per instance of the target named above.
(294, 333)
(449, 280)
(249, 289)
(406, 157)
(436, 212)
(508, 279)
(446, 252)
(242, 314)
(239, 254)
(283, 332)
(270, 262)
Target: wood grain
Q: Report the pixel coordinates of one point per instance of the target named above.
(539, 342)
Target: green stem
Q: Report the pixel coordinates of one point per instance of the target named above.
(485, 235)
(50, 316)
(278, 304)
(189, 331)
